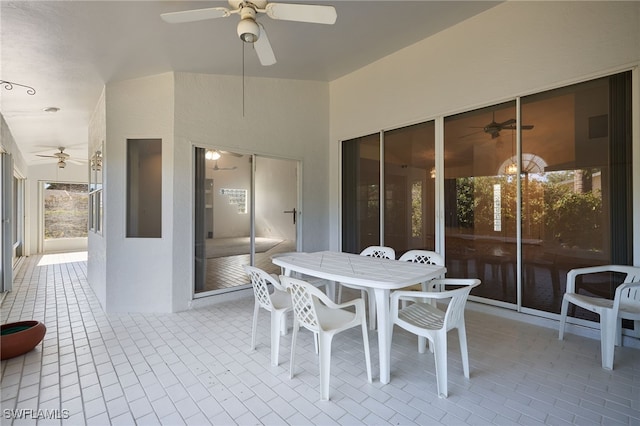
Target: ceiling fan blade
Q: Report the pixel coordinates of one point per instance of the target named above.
(315, 14)
(514, 127)
(263, 48)
(235, 154)
(195, 15)
(46, 156)
(508, 122)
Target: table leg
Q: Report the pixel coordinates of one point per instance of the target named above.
(330, 290)
(384, 333)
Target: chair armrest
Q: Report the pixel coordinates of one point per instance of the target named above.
(419, 295)
(275, 281)
(633, 287)
(572, 274)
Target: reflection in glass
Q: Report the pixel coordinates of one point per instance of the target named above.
(480, 199)
(567, 210)
(409, 162)
(360, 193)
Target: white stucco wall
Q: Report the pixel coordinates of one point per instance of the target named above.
(513, 49)
(139, 271)
(282, 118)
(9, 145)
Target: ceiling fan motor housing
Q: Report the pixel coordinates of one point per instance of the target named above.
(248, 29)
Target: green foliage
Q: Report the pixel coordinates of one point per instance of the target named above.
(557, 206)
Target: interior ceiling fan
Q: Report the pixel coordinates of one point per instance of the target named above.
(215, 168)
(62, 157)
(251, 31)
(494, 128)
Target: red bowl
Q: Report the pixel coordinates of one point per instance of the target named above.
(20, 337)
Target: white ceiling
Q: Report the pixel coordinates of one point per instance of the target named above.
(68, 50)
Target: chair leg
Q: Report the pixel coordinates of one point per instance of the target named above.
(608, 324)
(440, 355)
(563, 318)
(367, 354)
(325, 365)
(283, 323)
(464, 353)
(254, 326)
(422, 344)
(276, 327)
(294, 336)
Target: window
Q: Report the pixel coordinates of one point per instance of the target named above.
(95, 191)
(144, 188)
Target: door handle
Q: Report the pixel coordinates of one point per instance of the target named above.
(294, 211)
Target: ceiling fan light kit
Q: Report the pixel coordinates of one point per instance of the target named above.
(248, 30)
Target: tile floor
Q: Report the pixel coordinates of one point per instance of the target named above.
(227, 272)
(195, 368)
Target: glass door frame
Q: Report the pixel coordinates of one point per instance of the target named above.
(252, 213)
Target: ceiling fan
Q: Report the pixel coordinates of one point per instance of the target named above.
(251, 31)
(215, 168)
(62, 157)
(494, 128)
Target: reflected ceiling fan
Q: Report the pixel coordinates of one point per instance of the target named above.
(215, 168)
(251, 31)
(62, 157)
(494, 128)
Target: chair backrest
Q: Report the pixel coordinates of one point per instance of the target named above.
(379, 251)
(627, 298)
(423, 256)
(260, 281)
(304, 308)
(455, 309)
(633, 273)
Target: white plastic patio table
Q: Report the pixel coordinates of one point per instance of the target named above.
(382, 275)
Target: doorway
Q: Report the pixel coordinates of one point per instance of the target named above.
(65, 215)
(246, 211)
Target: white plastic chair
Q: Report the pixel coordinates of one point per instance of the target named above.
(426, 257)
(426, 320)
(317, 313)
(278, 303)
(625, 304)
(381, 252)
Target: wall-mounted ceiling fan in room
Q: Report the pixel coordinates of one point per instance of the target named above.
(251, 31)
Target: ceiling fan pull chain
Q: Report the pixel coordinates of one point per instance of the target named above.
(243, 79)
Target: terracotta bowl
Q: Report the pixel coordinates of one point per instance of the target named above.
(20, 337)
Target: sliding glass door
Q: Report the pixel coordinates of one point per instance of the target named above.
(246, 211)
(406, 205)
(576, 188)
(480, 191)
(530, 189)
